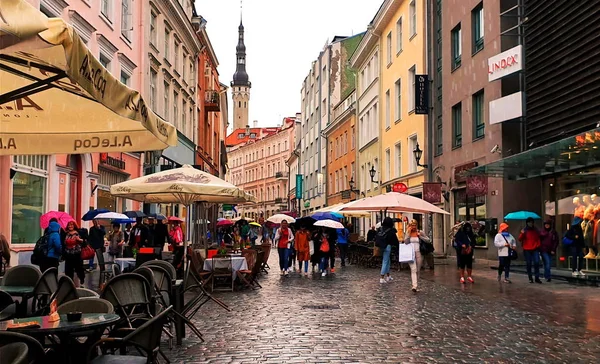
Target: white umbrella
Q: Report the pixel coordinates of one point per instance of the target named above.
(394, 202)
(329, 224)
(111, 216)
(278, 218)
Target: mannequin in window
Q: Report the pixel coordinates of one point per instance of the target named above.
(595, 200)
(587, 201)
(579, 208)
(588, 232)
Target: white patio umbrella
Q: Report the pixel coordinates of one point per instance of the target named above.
(329, 224)
(394, 202)
(57, 97)
(111, 216)
(278, 218)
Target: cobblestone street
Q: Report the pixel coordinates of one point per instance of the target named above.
(351, 318)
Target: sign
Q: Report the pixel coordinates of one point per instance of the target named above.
(399, 187)
(346, 195)
(227, 207)
(458, 170)
(110, 161)
(432, 192)
(320, 183)
(477, 185)
(506, 108)
(505, 63)
(299, 186)
(421, 94)
(306, 204)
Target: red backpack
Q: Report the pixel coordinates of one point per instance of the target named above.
(324, 246)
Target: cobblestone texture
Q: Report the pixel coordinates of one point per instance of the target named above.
(444, 323)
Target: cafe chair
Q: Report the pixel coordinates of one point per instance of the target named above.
(46, 285)
(21, 275)
(222, 268)
(248, 276)
(106, 271)
(14, 353)
(116, 270)
(87, 293)
(36, 354)
(130, 295)
(145, 339)
(161, 263)
(198, 266)
(192, 282)
(8, 307)
(264, 265)
(89, 305)
(65, 292)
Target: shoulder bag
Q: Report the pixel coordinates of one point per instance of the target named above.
(468, 250)
(512, 253)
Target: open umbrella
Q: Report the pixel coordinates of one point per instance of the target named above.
(522, 215)
(221, 219)
(305, 221)
(111, 216)
(72, 104)
(123, 221)
(91, 215)
(175, 218)
(134, 214)
(326, 216)
(329, 224)
(225, 223)
(253, 223)
(157, 216)
(278, 218)
(394, 202)
(62, 217)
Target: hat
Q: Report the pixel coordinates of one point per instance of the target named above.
(503, 227)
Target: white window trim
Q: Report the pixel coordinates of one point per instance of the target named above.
(82, 26)
(127, 65)
(55, 7)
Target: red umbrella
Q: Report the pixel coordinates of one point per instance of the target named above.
(175, 218)
(225, 223)
(62, 217)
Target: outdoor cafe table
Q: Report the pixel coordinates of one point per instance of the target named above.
(25, 292)
(125, 263)
(237, 263)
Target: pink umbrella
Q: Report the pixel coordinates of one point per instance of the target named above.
(394, 202)
(225, 223)
(62, 217)
(175, 218)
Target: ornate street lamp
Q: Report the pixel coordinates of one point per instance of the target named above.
(351, 184)
(372, 172)
(418, 154)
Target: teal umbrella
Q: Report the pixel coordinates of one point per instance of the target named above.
(522, 215)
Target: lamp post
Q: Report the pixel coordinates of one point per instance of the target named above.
(351, 183)
(372, 172)
(418, 154)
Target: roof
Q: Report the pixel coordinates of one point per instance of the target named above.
(238, 136)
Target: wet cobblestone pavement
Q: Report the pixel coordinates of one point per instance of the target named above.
(351, 318)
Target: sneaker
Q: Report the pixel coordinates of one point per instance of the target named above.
(282, 273)
(323, 274)
(530, 280)
(287, 274)
(415, 289)
(575, 273)
(389, 278)
(332, 270)
(470, 280)
(462, 280)
(549, 280)
(537, 280)
(581, 274)
(506, 280)
(381, 280)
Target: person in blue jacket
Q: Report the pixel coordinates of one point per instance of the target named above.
(54, 247)
(342, 240)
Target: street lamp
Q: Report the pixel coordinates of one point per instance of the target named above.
(351, 184)
(372, 172)
(418, 154)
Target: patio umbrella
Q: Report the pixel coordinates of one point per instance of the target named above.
(329, 224)
(111, 216)
(225, 223)
(62, 217)
(521, 215)
(91, 215)
(394, 202)
(175, 218)
(326, 216)
(134, 214)
(278, 218)
(64, 100)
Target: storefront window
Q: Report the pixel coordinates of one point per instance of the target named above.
(29, 196)
(473, 210)
(106, 200)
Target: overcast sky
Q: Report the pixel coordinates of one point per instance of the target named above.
(282, 37)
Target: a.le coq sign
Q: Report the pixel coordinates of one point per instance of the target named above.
(505, 63)
(399, 187)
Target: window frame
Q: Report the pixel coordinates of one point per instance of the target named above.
(153, 28)
(398, 100)
(126, 19)
(457, 125)
(456, 46)
(478, 114)
(388, 48)
(413, 18)
(399, 36)
(412, 75)
(388, 112)
(477, 28)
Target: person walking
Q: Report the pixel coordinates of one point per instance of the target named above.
(176, 239)
(116, 239)
(414, 237)
(96, 240)
(302, 239)
(284, 239)
(504, 241)
(530, 239)
(324, 250)
(464, 241)
(343, 236)
(385, 239)
(575, 234)
(548, 246)
(332, 240)
(161, 235)
(52, 258)
(72, 253)
(315, 257)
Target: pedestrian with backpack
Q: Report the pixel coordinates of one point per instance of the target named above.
(386, 238)
(52, 249)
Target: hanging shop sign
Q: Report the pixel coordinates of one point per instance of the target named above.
(432, 192)
(458, 171)
(477, 185)
(421, 94)
(400, 187)
(505, 63)
(110, 161)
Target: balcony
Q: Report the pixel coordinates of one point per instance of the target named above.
(281, 175)
(279, 200)
(212, 101)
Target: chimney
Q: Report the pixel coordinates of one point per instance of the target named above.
(255, 124)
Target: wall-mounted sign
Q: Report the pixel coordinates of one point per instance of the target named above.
(506, 108)
(299, 186)
(110, 161)
(477, 185)
(346, 195)
(505, 63)
(399, 187)
(307, 204)
(458, 170)
(421, 94)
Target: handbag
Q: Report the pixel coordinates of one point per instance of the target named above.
(425, 247)
(311, 247)
(406, 253)
(376, 251)
(468, 250)
(512, 253)
(87, 252)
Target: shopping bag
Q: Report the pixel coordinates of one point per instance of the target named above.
(406, 253)
(311, 247)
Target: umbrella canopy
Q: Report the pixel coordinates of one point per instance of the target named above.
(70, 102)
(521, 215)
(183, 185)
(123, 221)
(134, 214)
(175, 218)
(339, 207)
(394, 202)
(255, 224)
(329, 224)
(221, 219)
(62, 217)
(305, 221)
(91, 215)
(225, 223)
(326, 216)
(278, 218)
(111, 216)
(157, 216)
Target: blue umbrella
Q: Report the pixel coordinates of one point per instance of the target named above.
(326, 216)
(123, 221)
(521, 215)
(157, 216)
(90, 215)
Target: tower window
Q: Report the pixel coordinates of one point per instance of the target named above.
(244, 104)
(239, 104)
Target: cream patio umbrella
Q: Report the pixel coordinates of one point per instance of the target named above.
(394, 202)
(57, 98)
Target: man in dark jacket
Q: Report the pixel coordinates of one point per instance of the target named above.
(575, 233)
(548, 245)
(139, 236)
(96, 239)
(160, 237)
(371, 234)
(385, 240)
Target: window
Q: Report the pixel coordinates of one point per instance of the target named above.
(183, 118)
(413, 18)
(126, 26)
(175, 103)
(29, 193)
(337, 148)
(389, 48)
(184, 70)
(345, 145)
(388, 164)
(353, 138)
(331, 151)
(478, 116)
(399, 36)
(412, 162)
(398, 105)
(439, 136)
(176, 60)
(387, 109)
(398, 164)
(167, 41)
(457, 125)
(456, 46)
(104, 61)
(153, 35)
(105, 8)
(125, 78)
(153, 89)
(412, 75)
(345, 180)
(166, 100)
(477, 27)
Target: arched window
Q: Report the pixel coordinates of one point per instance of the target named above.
(244, 104)
(278, 191)
(239, 104)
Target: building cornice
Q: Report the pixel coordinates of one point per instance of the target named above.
(81, 25)
(126, 63)
(55, 6)
(106, 47)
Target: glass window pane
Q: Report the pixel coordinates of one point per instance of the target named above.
(29, 196)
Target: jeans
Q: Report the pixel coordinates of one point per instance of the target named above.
(532, 257)
(343, 252)
(547, 259)
(305, 266)
(504, 266)
(577, 252)
(284, 258)
(385, 265)
(323, 264)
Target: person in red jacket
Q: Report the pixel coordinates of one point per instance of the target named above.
(530, 239)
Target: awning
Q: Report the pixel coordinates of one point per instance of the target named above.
(56, 97)
(572, 153)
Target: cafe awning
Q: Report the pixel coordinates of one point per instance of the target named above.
(568, 154)
(56, 97)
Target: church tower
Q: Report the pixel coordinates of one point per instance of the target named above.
(240, 86)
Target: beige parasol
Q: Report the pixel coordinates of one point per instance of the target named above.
(56, 97)
(394, 202)
(340, 206)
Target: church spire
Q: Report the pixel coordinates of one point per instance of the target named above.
(240, 77)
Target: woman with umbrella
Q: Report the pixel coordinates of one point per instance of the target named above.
(284, 240)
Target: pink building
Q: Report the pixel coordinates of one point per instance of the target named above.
(30, 185)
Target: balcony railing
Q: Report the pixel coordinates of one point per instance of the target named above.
(212, 100)
(281, 175)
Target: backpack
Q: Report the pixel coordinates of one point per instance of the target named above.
(324, 246)
(40, 251)
(381, 238)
